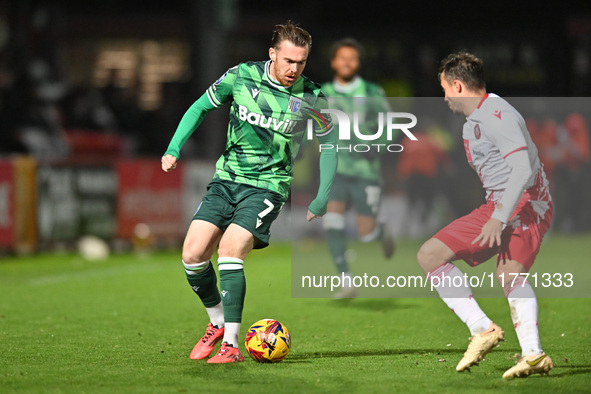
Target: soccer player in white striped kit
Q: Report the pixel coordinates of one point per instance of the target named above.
(511, 224)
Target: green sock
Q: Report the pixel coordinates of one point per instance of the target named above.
(204, 284)
(233, 288)
(337, 244)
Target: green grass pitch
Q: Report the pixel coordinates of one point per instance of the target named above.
(128, 324)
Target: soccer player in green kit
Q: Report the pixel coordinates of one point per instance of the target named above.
(358, 180)
(252, 178)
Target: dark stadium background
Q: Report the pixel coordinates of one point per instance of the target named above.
(118, 75)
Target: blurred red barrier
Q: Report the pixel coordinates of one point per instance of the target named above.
(7, 223)
(149, 195)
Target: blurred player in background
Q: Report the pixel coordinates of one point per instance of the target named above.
(511, 224)
(252, 179)
(358, 181)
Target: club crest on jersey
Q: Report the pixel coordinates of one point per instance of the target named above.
(477, 132)
(294, 104)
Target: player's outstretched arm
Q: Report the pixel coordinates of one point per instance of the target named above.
(188, 124)
(328, 169)
(214, 97)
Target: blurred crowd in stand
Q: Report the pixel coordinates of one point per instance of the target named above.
(42, 115)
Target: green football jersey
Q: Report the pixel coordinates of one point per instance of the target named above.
(366, 99)
(267, 124)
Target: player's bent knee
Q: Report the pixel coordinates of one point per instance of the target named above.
(194, 255)
(333, 221)
(429, 256)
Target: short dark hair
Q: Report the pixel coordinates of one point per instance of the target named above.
(291, 32)
(347, 42)
(465, 67)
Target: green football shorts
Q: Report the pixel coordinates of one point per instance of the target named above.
(250, 207)
(365, 195)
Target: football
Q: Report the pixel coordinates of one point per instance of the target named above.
(93, 248)
(268, 341)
